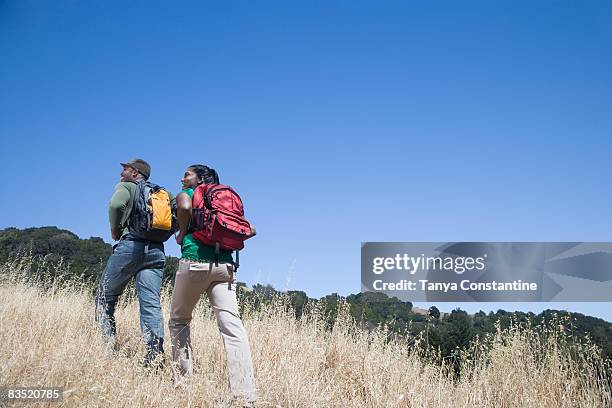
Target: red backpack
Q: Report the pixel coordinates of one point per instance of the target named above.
(218, 218)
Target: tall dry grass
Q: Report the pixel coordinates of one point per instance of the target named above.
(48, 338)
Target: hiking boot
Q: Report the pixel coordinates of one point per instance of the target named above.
(242, 402)
(111, 345)
(154, 357)
(155, 363)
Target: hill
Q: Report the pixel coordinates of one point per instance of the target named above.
(63, 252)
(83, 258)
(298, 362)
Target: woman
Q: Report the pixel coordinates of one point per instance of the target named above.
(198, 273)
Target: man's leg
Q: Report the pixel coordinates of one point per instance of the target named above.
(120, 267)
(235, 340)
(188, 287)
(148, 286)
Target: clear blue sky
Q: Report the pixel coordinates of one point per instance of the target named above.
(338, 121)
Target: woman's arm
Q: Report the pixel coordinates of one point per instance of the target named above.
(183, 213)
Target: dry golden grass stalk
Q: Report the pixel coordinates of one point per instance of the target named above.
(48, 338)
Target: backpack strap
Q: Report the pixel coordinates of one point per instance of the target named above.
(236, 265)
(217, 253)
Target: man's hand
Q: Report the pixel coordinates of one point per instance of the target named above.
(116, 234)
(179, 237)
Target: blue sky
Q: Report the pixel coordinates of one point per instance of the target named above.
(338, 122)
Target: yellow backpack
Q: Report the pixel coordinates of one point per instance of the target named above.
(153, 215)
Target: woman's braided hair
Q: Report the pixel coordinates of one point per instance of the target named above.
(205, 173)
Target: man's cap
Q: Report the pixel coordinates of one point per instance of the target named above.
(140, 165)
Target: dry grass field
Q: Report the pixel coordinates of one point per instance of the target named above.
(48, 338)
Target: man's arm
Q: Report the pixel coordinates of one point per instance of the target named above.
(116, 209)
(183, 214)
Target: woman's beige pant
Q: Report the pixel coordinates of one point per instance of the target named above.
(191, 281)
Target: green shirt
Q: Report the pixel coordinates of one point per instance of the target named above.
(195, 250)
(120, 206)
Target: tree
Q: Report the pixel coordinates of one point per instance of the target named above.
(458, 332)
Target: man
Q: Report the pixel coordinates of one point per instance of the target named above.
(132, 257)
